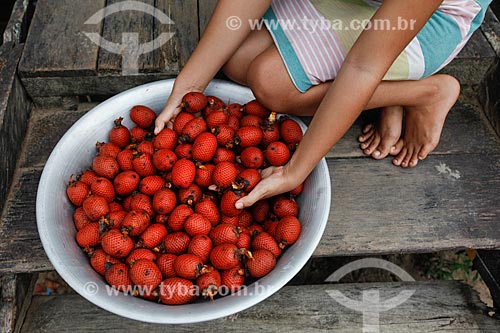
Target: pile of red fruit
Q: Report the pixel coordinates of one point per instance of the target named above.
(157, 216)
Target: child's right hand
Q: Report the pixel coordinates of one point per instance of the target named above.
(169, 112)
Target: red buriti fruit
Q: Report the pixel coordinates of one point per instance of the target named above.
(227, 202)
(138, 134)
(204, 147)
(245, 219)
(176, 291)
(262, 263)
(166, 139)
(217, 118)
(233, 220)
(184, 150)
(251, 120)
(284, 207)
(227, 256)
(233, 122)
(271, 133)
(255, 108)
(209, 210)
(265, 241)
(248, 136)
(176, 243)
(138, 254)
(161, 219)
(189, 266)
(296, 191)
(143, 164)
(143, 116)
(88, 235)
(152, 236)
(135, 222)
(77, 191)
(117, 244)
(233, 278)
(113, 221)
(151, 184)
(194, 102)
(224, 155)
(95, 207)
(192, 129)
(126, 182)
(107, 149)
(203, 176)
(115, 206)
(287, 231)
(178, 217)
(244, 241)
(224, 174)
(164, 201)
(277, 153)
(225, 233)
(254, 230)
(190, 195)
(224, 135)
(235, 109)
(119, 135)
(145, 274)
(88, 177)
(252, 157)
(200, 245)
(100, 260)
(124, 159)
(118, 277)
(166, 264)
(126, 203)
(164, 159)
(142, 202)
(146, 147)
(80, 219)
(248, 179)
(105, 166)
(290, 131)
(260, 211)
(197, 224)
(104, 188)
(209, 283)
(270, 227)
(183, 173)
(181, 120)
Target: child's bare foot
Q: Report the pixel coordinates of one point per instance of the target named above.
(380, 139)
(424, 122)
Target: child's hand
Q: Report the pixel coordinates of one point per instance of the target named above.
(169, 112)
(275, 180)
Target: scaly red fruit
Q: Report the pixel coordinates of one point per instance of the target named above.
(233, 122)
(145, 274)
(235, 109)
(262, 263)
(290, 131)
(115, 206)
(277, 153)
(244, 241)
(118, 277)
(119, 134)
(287, 231)
(265, 241)
(107, 149)
(88, 177)
(95, 207)
(233, 220)
(251, 120)
(209, 210)
(192, 129)
(270, 227)
(77, 191)
(245, 219)
(204, 147)
(166, 139)
(126, 182)
(124, 159)
(200, 245)
(255, 108)
(271, 133)
(151, 184)
(248, 179)
(184, 150)
(217, 118)
(152, 236)
(176, 243)
(113, 221)
(142, 116)
(138, 254)
(176, 291)
(146, 147)
(104, 188)
(214, 103)
(190, 195)
(285, 207)
(166, 264)
(209, 283)
(225, 233)
(138, 134)
(117, 244)
(143, 164)
(203, 176)
(181, 120)
(178, 217)
(183, 173)
(88, 235)
(254, 230)
(135, 222)
(164, 159)
(142, 202)
(249, 136)
(80, 219)
(224, 174)
(227, 256)
(164, 201)
(260, 210)
(224, 155)
(126, 203)
(101, 261)
(252, 157)
(233, 278)
(189, 266)
(105, 166)
(227, 202)
(193, 102)
(197, 224)
(224, 135)
(296, 191)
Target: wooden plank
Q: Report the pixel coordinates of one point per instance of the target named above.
(17, 27)
(434, 307)
(56, 44)
(205, 13)
(16, 293)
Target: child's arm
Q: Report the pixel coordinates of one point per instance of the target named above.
(365, 65)
(215, 48)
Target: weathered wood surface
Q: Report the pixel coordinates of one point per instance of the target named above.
(56, 44)
(434, 307)
(16, 293)
(17, 28)
(487, 263)
(205, 13)
(14, 113)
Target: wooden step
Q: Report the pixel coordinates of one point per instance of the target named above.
(72, 65)
(434, 307)
(450, 201)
